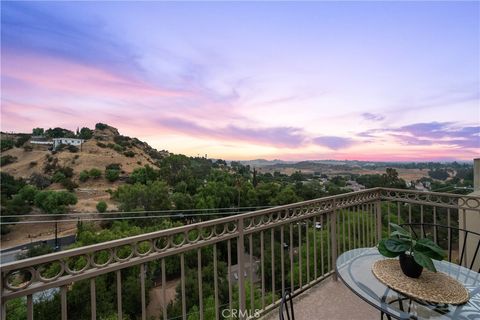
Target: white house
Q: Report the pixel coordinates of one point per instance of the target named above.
(66, 141)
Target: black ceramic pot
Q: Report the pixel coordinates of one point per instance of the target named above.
(409, 266)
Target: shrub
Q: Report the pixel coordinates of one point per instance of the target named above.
(4, 160)
(6, 144)
(69, 184)
(84, 175)
(102, 206)
(95, 173)
(51, 166)
(21, 140)
(76, 156)
(122, 141)
(72, 149)
(112, 175)
(67, 171)
(116, 147)
(114, 166)
(129, 154)
(27, 148)
(33, 164)
(101, 145)
(40, 181)
(58, 177)
(101, 126)
(54, 201)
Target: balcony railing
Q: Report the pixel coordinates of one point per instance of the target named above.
(265, 252)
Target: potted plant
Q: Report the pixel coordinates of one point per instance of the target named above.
(414, 254)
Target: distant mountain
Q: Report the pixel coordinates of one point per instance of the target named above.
(263, 162)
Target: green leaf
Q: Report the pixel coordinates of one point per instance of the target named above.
(397, 245)
(385, 252)
(428, 252)
(401, 235)
(400, 230)
(424, 260)
(430, 248)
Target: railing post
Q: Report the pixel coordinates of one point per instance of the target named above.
(240, 258)
(378, 209)
(3, 305)
(333, 238)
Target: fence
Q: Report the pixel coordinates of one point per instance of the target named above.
(256, 256)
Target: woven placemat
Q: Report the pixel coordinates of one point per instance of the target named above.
(435, 287)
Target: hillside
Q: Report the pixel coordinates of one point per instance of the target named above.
(106, 146)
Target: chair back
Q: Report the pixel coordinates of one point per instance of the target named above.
(284, 309)
(462, 245)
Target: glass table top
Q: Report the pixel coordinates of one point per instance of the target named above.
(354, 267)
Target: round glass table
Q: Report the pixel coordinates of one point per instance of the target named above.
(354, 267)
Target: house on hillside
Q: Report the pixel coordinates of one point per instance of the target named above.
(66, 141)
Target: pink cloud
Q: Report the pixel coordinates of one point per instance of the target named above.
(56, 76)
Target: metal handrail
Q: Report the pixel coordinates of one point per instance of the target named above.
(241, 227)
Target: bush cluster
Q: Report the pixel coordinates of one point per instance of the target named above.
(7, 159)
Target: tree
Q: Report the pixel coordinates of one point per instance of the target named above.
(59, 133)
(182, 201)
(102, 206)
(38, 131)
(85, 133)
(143, 175)
(6, 144)
(101, 126)
(28, 193)
(152, 196)
(54, 202)
(439, 174)
(9, 185)
(285, 196)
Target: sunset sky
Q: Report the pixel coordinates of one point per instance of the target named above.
(275, 80)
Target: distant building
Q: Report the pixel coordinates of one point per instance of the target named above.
(419, 186)
(67, 141)
(354, 185)
(40, 140)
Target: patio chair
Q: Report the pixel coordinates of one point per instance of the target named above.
(287, 296)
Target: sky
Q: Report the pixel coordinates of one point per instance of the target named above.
(384, 81)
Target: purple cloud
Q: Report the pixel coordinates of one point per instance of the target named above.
(276, 136)
(333, 142)
(430, 133)
(372, 116)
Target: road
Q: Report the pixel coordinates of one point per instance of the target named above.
(10, 254)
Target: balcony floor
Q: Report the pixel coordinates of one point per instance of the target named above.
(329, 300)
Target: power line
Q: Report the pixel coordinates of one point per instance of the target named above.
(117, 218)
(177, 211)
